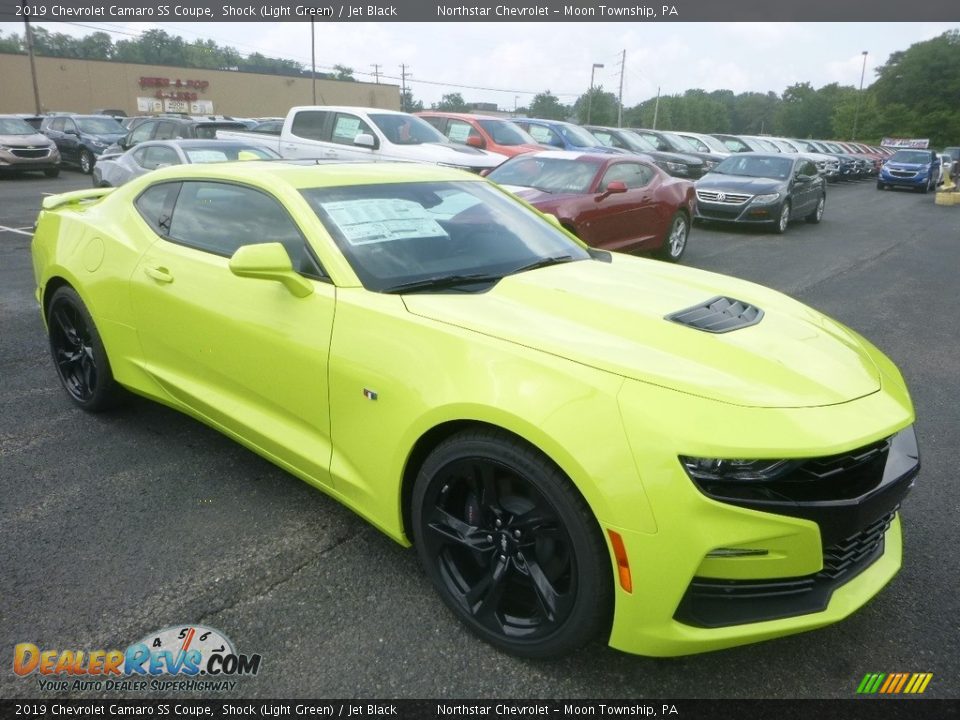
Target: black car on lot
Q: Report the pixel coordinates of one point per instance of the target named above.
(671, 142)
(762, 188)
(82, 138)
(170, 128)
(676, 164)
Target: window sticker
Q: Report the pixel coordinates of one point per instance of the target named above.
(347, 128)
(206, 156)
(375, 220)
(458, 132)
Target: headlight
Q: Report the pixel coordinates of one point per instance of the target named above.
(672, 167)
(765, 199)
(737, 470)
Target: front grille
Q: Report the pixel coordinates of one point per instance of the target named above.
(30, 152)
(710, 602)
(903, 173)
(718, 315)
(724, 198)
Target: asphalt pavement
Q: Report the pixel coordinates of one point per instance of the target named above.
(115, 526)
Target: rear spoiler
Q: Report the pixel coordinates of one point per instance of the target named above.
(75, 198)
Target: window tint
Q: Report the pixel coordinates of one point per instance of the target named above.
(166, 131)
(271, 127)
(155, 204)
(655, 140)
(347, 127)
(156, 156)
(219, 218)
(70, 124)
(633, 175)
(57, 124)
(545, 135)
(142, 132)
(437, 122)
(807, 168)
(309, 124)
(458, 131)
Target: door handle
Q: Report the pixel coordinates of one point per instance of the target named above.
(160, 274)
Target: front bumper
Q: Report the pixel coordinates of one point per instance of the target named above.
(903, 178)
(747, 211)
(714, 574)
(29, 159)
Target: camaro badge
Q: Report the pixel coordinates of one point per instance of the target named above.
(370, 394)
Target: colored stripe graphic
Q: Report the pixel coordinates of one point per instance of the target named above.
(894, 683)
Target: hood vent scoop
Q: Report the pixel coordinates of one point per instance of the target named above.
(719, 315)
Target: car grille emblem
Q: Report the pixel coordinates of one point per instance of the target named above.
(721, 196)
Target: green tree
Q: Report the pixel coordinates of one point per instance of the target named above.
(599, 105)
(546, 105)
(342, 72)
(408, 103)
(451, 102)
(11, 43)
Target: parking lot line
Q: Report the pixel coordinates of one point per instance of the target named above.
(4, 228)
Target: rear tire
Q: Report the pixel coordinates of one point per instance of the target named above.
(87, 162)
(78, 353)
(675, 242)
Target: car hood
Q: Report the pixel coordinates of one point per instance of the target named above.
(35, 139)
(445, 153)
(906, 166)
(754, 185)
(611, 316)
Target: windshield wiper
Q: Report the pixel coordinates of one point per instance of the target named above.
(442, 281)
(543, 262)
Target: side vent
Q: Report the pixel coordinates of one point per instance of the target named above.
(719, 315)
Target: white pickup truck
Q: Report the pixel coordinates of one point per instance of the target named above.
(372, 134)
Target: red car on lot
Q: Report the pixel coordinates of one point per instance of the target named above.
(611, 202)
(483, 131)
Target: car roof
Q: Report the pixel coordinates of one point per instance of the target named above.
(574, 155)
(349, 108)
(464, 116)
(299, 176)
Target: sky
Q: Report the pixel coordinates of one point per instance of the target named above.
(507, 63)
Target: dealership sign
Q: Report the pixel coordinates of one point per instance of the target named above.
(914, 143)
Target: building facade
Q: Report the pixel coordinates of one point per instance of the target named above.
(70, 85)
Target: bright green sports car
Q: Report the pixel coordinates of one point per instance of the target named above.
(578, 443)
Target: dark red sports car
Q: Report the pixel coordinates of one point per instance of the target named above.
(612, 202)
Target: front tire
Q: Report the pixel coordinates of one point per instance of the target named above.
(87, 162)
(52, 172)
(675, 243)
(78, 353)
(510, 545)
(817, 215)
(881, 186)
(784, 221)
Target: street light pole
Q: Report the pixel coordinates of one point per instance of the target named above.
(28, 35)
(313, 61)
(856, 114)
(590, 94)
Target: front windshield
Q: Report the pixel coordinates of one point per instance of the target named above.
(709, 142)
(805, 146)
(911, 156)
(578, 137)
(224, 152)
(767, 145)
(756, 166)
(552, 175)
(15, 126)
(403, 129)
(681, 144)
(507, 133)
(734, 144)
(401, 233)
(642, 142)
(100, 126)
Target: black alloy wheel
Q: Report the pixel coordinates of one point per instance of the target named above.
(78, 353)
(511, 546)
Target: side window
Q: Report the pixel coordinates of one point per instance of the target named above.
(155, 205)
(271, 127)
(608, 139)
(58, 124)
(156, 156)
(458, 131)
(347, 127)
(657, 142)
(218, 218)
(166, 131)
(309, 124)
(70, 124)
(437, 122)
(142, 132)
(808, 168)
(633, 175)
(545, 135)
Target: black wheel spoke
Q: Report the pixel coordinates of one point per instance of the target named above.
(66, 327)
(534, 520)
(552, 603)
(89, 371)
(489, 496)
(483, 599)
(455, 530)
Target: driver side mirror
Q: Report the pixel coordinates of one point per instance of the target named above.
(269, 261)
(476, 141)
(365, 140)
(613, 188)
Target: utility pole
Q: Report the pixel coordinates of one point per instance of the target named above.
(376, 72)
(623, 63)
(856, 114)
(403, 87)
(590, 94)
(656, 109)
(313, 61)
(33, 67)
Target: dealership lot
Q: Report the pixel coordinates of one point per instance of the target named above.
(119, 525)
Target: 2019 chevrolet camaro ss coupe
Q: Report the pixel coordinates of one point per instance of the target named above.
(579, 443)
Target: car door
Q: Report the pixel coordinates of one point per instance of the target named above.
(344, 129)
(244, 354)
(626, 220)
(806, 188)
(68, 143)
(308, 136)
